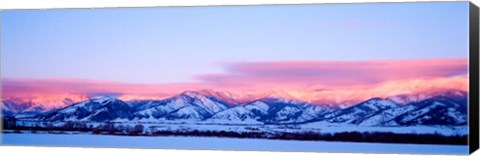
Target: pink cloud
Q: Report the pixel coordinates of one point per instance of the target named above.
(85, 87)
(311, 81)
(333, 74)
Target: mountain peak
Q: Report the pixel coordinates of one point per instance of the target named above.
(453, 94)
(375, 99)
(104, 98)
(416, 97)
(278, 99)
(192, 94)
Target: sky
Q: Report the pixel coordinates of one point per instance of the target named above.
(293, 47)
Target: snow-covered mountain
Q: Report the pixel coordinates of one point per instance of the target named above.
(26, 107)
(433, 111)
(449, 108)
(102, 109)
(19, 108)
(417, 97)
(187, 106)
(270, 110)
(10, 108)
(446, 108)
(358, 113)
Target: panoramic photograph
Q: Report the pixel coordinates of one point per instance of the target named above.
(373, 77)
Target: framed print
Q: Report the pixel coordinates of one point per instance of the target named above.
(366, 77)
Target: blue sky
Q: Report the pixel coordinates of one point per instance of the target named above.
(164, 45)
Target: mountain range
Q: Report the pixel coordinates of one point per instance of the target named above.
(445, 108)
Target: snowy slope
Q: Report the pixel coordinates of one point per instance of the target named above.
(360, 112)
(440, 110)
(19, 108)
(270, 110)
(102, 109)
(434, 111)
(8, 105)
(186, 106)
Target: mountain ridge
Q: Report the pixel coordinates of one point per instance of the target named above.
(201, 107)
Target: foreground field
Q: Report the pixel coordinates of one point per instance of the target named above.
(89, 140)
(454, 135)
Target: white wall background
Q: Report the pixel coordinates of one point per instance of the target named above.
(78, 151)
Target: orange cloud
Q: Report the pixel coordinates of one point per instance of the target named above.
(423, 88)
(333, 74)
(57, 90)
(333, 82)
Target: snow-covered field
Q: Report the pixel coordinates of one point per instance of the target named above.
(89, 140)
(317, 127)
(325, 127)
